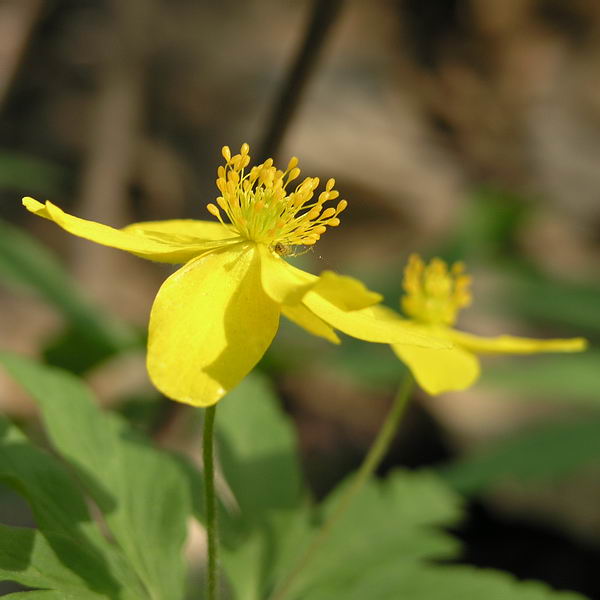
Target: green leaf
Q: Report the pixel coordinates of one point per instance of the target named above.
(393, 522)
(57, 503)
(383, 546)
(434, 582)
(37, 595)
(258, 455)
(141, 491)
(536, 297)
(257, 450)
(23, 172)
(56, 562)
(533, 456)
(568, 378)
(26, 263)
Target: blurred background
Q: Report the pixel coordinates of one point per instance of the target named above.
(467, 129)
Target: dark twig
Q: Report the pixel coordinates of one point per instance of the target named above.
(323, 16)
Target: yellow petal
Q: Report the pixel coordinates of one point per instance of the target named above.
(507, 344)
(281, 281)
(287, 284)
(164, 250)
(306, 319)
(373, 324)
(186, 230)
(345, 292)
(210, 324)
(438, 371)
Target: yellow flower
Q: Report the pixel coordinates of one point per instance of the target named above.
(434, 295)
(214, 318)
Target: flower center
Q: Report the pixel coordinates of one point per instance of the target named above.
(434, 293)
(260, 207)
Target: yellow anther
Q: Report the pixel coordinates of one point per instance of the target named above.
(260, 208)
(213, 210)
(434, 294)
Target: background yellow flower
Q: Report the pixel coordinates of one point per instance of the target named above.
(434, 295)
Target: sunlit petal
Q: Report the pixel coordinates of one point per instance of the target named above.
(287, 284)
(345, 292)
(438, 371)
(299, 314)
(183, 230)
(210, 324)
(507, 344)
(161, 250)
(281, 281)
(373, 324)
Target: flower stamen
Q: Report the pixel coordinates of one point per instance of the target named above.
(434, 293)
(259, 207)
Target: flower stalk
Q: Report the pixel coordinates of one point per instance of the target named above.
(369, 465)
(212, 578)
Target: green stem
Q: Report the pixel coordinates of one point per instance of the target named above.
(369, 465)
(210, 503)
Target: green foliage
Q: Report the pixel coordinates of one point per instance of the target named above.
(52, 561)
(536, 297)
(545, 453)
(141, 492)
(257, 451)
(570, 379)
(429, 582)
(91, 335)
(22, 172)
(385, 546)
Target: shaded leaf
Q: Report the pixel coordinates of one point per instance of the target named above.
(257, 450)
(56, 562)
(141, 491)
(258, 454)
(545, 453)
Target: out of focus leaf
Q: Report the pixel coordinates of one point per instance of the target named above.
(487, 227)
(568, 378)
(141, 491)
(535, 297)
(429, 582)
(534, 456)
(374, 365)
(27, 264)
(22, 172)
(37, 595)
